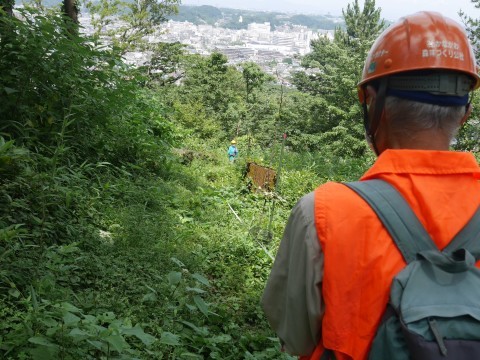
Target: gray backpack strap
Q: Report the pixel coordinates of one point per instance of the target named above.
(396, 215)
(468, 238)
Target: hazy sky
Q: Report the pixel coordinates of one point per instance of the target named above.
(391, 9)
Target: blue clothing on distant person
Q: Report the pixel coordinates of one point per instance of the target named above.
(232, 153)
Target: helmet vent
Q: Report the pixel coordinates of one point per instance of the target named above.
(452, 84)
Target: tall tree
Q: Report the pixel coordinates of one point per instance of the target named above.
(469, 136)
(472, 26)
(7, 31)
(333, 69)
(254, 79)
(211, 98)
(362, 26)
(331, 61)
(134, 20)
(165, 65)
(70, 9)
(7, 6)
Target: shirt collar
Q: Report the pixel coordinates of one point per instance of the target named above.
(424, 162)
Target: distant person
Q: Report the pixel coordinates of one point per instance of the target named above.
(232, 151)
(330, 283)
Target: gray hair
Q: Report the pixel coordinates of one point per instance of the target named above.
(408, 117)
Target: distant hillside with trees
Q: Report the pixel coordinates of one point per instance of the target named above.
(230, 18)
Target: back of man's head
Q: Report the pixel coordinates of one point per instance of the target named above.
(422, 69)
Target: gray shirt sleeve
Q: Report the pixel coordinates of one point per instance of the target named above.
(292, 298)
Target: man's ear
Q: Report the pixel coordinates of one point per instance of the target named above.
(371, 94)
(468, 112)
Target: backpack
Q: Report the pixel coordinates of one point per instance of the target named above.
(434, 306)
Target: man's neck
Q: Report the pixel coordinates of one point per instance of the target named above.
(420, 140)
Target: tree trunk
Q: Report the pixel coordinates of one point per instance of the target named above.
(70, 9)
(7, 6)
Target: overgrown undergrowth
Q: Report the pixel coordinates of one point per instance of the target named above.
(113, 246)
(163, 267)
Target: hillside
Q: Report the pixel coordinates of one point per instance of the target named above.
(230, 18)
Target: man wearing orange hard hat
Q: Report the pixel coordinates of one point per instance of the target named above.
(344, 257)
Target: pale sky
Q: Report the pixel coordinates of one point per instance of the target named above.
(391, 9)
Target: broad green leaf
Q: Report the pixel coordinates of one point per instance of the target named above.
(174, 277)
(201, 279)
(9, 90)
(151, 289)
(33, 294)
(178, 262)
(37, 219)
(189, 355)
(215, 355)
(52, 331)
(14, 292)
(196, 290)
(107, 316)
(44, 353)
(138, 332)
(201, 331)
(49, 322)
(168, 338)
(116, 324)
(191, 307)
(40, 340)
(90, 319)
(70, 319)
(68, 249)
(117, 342)
(69, 307)
(201, 305)
(150, 297)
(78, 334)
(101, 330)
(95, 344)
(224, 338)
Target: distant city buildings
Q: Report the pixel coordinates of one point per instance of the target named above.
(276, 52)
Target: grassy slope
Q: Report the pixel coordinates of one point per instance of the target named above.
(160, 229)
(184, 225)
(167, 255)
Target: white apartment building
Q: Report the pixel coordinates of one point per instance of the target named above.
(259, 28)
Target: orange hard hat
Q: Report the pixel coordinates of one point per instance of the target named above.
(422, 41)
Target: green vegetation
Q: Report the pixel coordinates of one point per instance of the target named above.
(124, 231)
(135, 20)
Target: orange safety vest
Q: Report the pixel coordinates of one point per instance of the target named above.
(360, 259)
